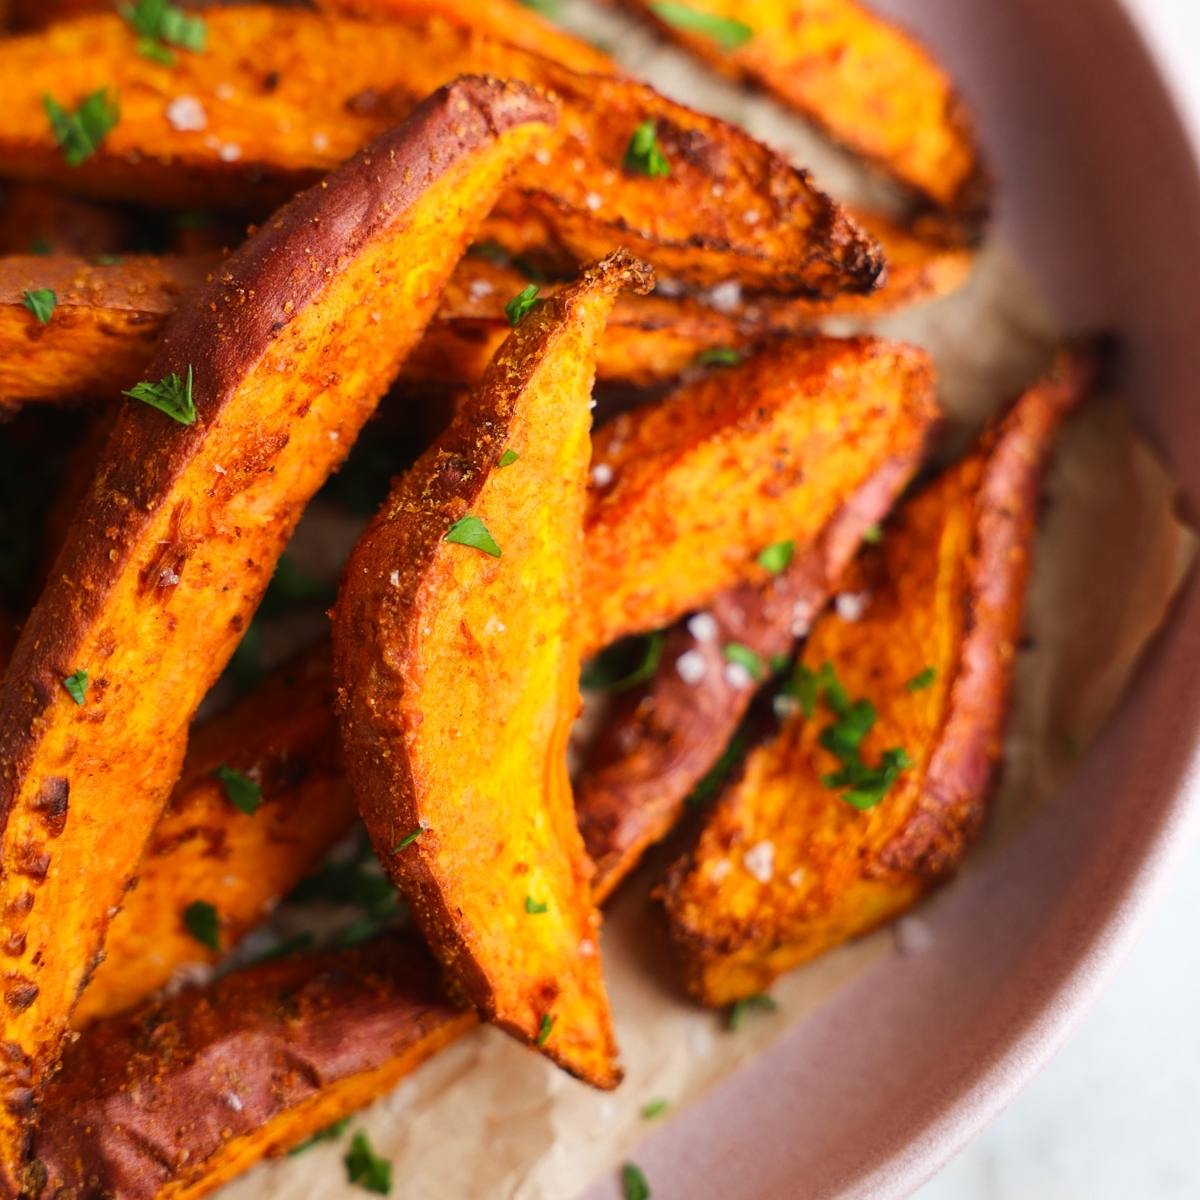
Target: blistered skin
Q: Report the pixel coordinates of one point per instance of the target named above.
(286, 95)
(784, 868)
(174, 545)
(863, 80)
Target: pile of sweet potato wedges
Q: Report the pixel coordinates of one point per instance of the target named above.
(230, 234)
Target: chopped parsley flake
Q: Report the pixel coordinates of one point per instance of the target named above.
(777, 663)
(41, 302)
(535, 906)
(80, 132)
(408, 839)
(633, 1183)
(922, 680)
(77, 686)
(508, 458)
(727, 32)
(170, 395)
(366, 1168)
(612, 671)
(471, 531)
(873, 534)
(240, 790)
(739, 1008)
(712, 781)
(518, 308)
(160, 24)
(735, 652)
(329, 1134)
(543, 1034)
(203, 923)
(654, 1108)
(644, 155)
(719, 356)
(776, 557)
(547, 8)
(41, 247)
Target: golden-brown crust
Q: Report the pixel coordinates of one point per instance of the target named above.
(177, 1097)
(176, 542)
(730, 208)
(784, 867)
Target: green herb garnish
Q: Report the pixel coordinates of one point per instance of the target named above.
(873, 534)
(633, 1183)
(548, 8)
(77, 685)
(471, 531)
(408, 839)
(714, 778)
(160, 24)
(922, 680)
(240, 790)
(544, 1028)
(79, 133)
(719, 356)
(612, 669)
(518, 308)
(535, 906)
(203, 923)
(776, 557)
(644, 155)
(41, 302)
(366, 1168)
(170, 395)
(727, 32)
(41, 247)
(108, 260)
(329, 1134)
(743, 656)
(508, 458)
(654, 1108)
(739, 1008)
(344, 883)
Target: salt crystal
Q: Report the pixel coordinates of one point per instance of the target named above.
(320, 141)
(187, 114)
(233, 1100)
(229, 152)
(751, 217)
(851, 605)
(691, 667)
(592, 200)
(479, 288)
(394, 578)
(720, 869)
(703, 627)
(737, 676)
(759, 860)
(726, 297)
(796, 877)
(602, 474)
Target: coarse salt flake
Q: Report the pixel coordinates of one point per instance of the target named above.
(229, 152)
(320, 141)
(720, 869)
(726, 297)
(703, 627)
(738, 676)
(187, 114)
(759, 860)
(592, 200)
(851, 606)
(394, 578)
(691, 667)
(479, 288)
(602, 474)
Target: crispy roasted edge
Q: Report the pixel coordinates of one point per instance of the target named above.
(183, 1094)
(140, 594)
(281, 737)
(946, 596)
(729, 209)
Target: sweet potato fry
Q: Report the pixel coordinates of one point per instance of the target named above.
(287, 95)
(872, 789)
(285, 354)
(35, 219)
(867, 83)
(182, 1095)
(281, 739)
(760, 453)
(456, 653)
(660, 739)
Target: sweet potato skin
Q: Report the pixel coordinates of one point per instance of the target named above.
(770, 450)
(175, 544)
(867, 83)
(946, 592)
(303, 91)
(282, 737)
(458, 677)
(178, 1097)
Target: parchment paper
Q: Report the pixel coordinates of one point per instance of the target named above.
(487, 1118)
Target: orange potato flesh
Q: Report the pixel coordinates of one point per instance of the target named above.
(866, 82)
(178, 1097)
(946, 592)
(766, 451)
(289, 94)
(173, 547)
(281, 736)
(106, 326)
(459, 677)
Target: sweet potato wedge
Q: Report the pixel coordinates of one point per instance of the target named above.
(287, 95)
(850, 813)
(36, 219)
(659, 740)
(182, 1095)
(287, 351)
(456, 655)
(863, 80)
(281, 738)
(760, 453)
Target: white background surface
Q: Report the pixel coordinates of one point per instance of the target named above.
(1116, 1116)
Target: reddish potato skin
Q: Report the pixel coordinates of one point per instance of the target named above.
(947, 595)
(176, 542)
(179, 1096)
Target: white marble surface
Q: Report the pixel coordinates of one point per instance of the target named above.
(1116, 1115)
